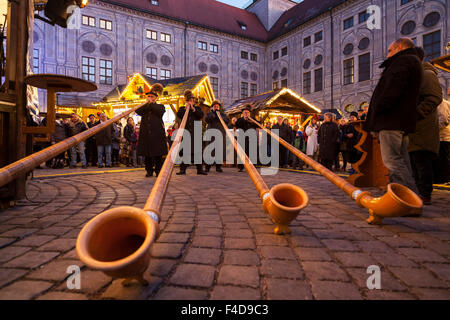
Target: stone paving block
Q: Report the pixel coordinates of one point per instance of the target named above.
(24, 290)
(91, 282)
(207, 242)
(324, 271)
(58, 295)
(304, 241)
(203, 256)
(241, 258)
(9, 275)
(31, 260)
(234, 293)
(238, 233)
(18, 233)
(239, 275)
(56, 231)
(11, 252)
(388, 282)
(388, 295)
(61, 245)
(4, 242)
(179, 228)
(34, 241)
(281, 269)
(270, 240)
(339, 245)
(398, 242)
(393, 259)
(432, 294)
(166, 250)
(312, 254)
(234, 243)
(416, 277)
(201, 231)
(133, 291)
(171, 237)
(193, 275)
(174, 293)
(263, 228)
(277, 252)
(440, 269)
(332, 290)
(373, 246)
(282, 289)
(161, 267)
(421, 255)
(355, 259)
(55, 270)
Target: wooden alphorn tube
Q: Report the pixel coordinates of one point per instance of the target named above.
(118, 241)
(398, 200)
(283, 202)
(27, 164)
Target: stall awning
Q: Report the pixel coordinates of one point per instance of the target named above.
(442, 63)
(285, 100)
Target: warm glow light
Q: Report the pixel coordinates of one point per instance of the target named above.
(84, 3)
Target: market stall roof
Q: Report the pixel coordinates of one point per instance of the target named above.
(283, 99)
(73, 100)
(442, 63)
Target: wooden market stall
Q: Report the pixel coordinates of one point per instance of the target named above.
(281, 102)
(131, 94)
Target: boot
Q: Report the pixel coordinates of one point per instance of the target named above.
(200, 170)
(219, 168)
(207, 168)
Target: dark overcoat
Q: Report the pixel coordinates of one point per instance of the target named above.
(328, 138)
(152, 140)
(213, 122)
(396, 96)
(193, 116)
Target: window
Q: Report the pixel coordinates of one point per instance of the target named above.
(253, 89)
(318, 36)
(165, 74)
(254, 57)
(275, 85)
(155, 2)
(318, 80)
(88, 69)
(151, 72)
(105, 24)
(35, 60)
(364, 67)
(402, 2)
(432, 45)
(306, 41)
(307, 82)
(363, 16)
(105, 71)
(153, 35)
(88, 21)
(244, 90)
(165, 37)
(348, 23)
(349, 71)
(214, 48)
(276, 54)
(284, 51)
(215, 85)
(244, 55)
(202, 45)
(284, 83)
(242, 25)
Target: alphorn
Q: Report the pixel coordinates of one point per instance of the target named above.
(398, 200)
(27, 164)
(283, 202)
(118, 241)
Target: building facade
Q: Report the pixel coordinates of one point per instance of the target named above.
(323, 50)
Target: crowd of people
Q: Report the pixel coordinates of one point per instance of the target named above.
(407, 114)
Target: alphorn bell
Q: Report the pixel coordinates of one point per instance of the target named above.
(283, 202)
(398, 200)
(118, 241)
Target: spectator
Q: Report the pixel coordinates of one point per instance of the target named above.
(232, 124)
(91, 145)
(350, 137)
(285, 133)
(424, 141)
(130, 135)
(60, 134)
(328, 137)
(268, 126)
(117, 135)
(104, 142)
(392, 113)
(244, 124)
(442, 165)
(76, 126)
(297, 142)
(312, 145)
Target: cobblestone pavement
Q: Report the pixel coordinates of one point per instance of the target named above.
(217, 243)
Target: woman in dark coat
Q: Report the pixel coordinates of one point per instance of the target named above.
(328, 137)
(195, 114)
(213, 122)
(152, 143)
(350, 137)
